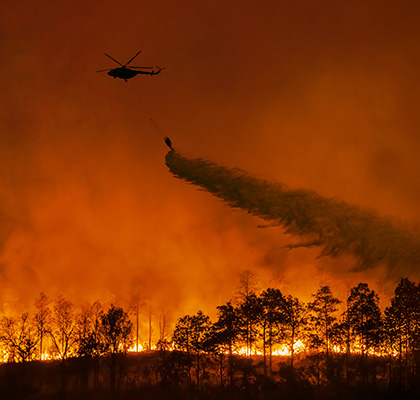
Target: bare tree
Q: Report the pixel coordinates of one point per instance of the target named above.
(134, 307)
(150, 327)
(42, 319)
(63, 327)
(163, 325)
(248, 284)
(18, 338)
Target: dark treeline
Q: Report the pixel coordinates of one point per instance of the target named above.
(263, 344)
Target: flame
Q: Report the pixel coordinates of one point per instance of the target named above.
(281, 350)
(135, 348)
(47, 356)
(4, 356)
(284, 350)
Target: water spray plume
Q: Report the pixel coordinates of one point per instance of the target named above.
(335, 226)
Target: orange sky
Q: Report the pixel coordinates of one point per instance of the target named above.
(321, 96)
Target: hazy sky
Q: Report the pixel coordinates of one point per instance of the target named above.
(318, 95)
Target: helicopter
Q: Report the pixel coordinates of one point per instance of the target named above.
(125, 72)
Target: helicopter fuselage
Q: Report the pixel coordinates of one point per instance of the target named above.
(123, 73)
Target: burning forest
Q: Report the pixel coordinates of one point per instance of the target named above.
(268, 335)
(258, 336)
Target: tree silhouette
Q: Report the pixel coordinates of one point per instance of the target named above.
(314, 343)
(364, 323)
(247, 284)
(364, 317)
(248, 307)
(62, 329)
(90, 342)
(116, 330)
(323, 308)
(16, 334)
(225, 333)
(42, 319)
(200, 328)
(271, 316)
(90, 339)
(163, 326)
(134, 307)
(340, 339)
(295, 319)
(249, 312)
(402, 321)
(182, 337)
(190, 335)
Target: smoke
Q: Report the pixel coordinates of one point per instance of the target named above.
(335, 226)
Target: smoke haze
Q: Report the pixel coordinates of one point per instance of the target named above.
(321, 96)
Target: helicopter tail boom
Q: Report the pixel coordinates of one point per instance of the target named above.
(158, 70)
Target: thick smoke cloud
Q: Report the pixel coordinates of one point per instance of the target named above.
(335, 226)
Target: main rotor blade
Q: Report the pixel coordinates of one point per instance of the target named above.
(133, 58)
(103, 70)
(113, 59)
(141, 67)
